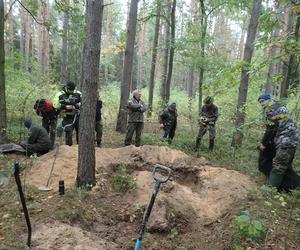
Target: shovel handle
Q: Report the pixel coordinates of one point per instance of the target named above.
(163, 169)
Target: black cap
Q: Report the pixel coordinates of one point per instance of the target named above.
(71, 85)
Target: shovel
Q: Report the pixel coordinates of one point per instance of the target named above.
(47, 188)
(159, 179)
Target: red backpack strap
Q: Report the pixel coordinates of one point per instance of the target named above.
(48, 105)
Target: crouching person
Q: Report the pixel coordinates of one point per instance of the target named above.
(168, 122)
(38, 140)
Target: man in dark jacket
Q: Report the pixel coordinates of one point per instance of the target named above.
(209, 116)
(136, 109)
(38, 140)
(98, 124)
(68, 103)
(282, 128)
(168, 122)
(45, 109)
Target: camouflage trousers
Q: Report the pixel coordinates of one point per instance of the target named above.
(99, 132)
(282, 161)
(203, 129)
(132, 127)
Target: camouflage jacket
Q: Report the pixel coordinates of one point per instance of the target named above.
(65, 99)
(279, 123)
(136, 109)
(211, 113)
(168, 117)
(38, 135)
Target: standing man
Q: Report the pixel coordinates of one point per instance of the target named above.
(136, 109)
(45, 109)
(98, 124)
(69, 100)
(209, 116)
(286, 137)
(168, 122)
(38, 140)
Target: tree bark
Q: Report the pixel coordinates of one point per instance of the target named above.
(86, 149)
(127, 67)
(64, 51)
(141, 52)
(172, 50)
(21, 30)
(107, 42)
(190, 82)
(27, 41)
(47, 39)
(288, 26)
(10, 28)
(3, 125)
(244, 82)
(163, 88)
(154, 57)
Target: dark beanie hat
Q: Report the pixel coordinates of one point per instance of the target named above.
(264, 96)
(173, 105)
(71, 85)
(27, 123)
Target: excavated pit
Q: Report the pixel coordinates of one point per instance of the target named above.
(197, 195)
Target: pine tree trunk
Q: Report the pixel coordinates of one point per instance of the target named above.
(127, 67)
(107, 42)
(86, 149)
(154, 57)
(244, 82)
(33, 37)
(241, 45)
(47, 39)
(21, 30)
(190, 82)
(141, 52)
(27, 41)
(10, 28)
(3, 125)
(40, 29)
(172, 51)
(163, 88)
(64, 50)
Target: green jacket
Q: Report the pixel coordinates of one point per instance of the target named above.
(136, 109)
(63, 98)
(39, 137)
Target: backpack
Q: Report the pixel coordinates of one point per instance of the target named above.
(43, 105)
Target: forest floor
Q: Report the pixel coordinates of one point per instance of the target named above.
(196, 209)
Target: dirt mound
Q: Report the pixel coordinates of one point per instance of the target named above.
(62, 236)
(197, 190)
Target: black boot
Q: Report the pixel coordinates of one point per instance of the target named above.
(211, 144)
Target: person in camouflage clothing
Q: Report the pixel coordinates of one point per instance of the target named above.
(68, 103)
(38, 140)
(168, 122)
(282, 128)
(209, 116)
(136, 109)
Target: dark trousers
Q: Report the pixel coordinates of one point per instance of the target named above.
(99, 132)
(169, 132)
(132, 127)
(50, 126)
(69, 123)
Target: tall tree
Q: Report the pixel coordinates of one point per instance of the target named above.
(86, 149)
(107, 41)
(3, 117)
(141, 51)
(164, 75)
(27, 40)
(154, 56)
(127, 67)
(172, 50)
(64, 50)
(244, 82)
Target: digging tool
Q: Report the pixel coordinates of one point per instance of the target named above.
(23, 201)
(47, 188)
(159, 179)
